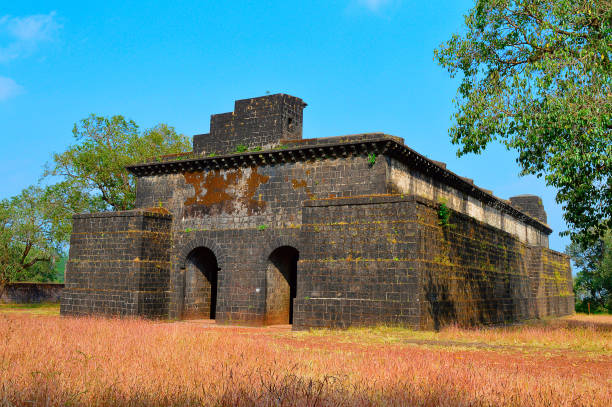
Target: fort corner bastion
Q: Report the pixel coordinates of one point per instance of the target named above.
(259, 226)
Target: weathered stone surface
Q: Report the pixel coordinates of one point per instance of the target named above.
(330, 232)
(255, 123)
(119, 264)
(27, 293)
(531, 205)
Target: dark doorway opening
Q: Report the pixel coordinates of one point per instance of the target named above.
(281, 285)
(201, 277)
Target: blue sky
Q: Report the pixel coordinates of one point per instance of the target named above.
(361, 65)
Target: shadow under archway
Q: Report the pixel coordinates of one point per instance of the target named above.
(281, 285)
(201, 277)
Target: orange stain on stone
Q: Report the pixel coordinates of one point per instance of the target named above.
(214, 183)
(298, 183)
(252, 183)
(227, 192)
(301, 183)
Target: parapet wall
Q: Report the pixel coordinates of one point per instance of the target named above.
(119, 264)
(28, 293)
(406, 180)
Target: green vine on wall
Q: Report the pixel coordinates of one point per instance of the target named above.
(443, 214)
(371, 159)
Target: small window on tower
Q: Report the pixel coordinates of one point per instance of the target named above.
(290, 124)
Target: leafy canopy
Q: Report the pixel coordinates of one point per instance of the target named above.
(593, 283)
(105, 146)
(34, 229)
(536, 75)
(35, 225)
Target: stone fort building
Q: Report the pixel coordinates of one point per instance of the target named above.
(260, 226)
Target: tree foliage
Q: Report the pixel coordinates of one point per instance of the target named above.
(536, 75)
(90, 176)
(593, 283)
(34, 229)
(105, 146)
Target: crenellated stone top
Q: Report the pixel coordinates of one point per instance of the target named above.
(255, 122)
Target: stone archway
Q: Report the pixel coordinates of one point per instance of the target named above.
(201, 281)
(191, 243)
(281, 285)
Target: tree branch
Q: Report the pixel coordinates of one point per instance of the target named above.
(34, 261)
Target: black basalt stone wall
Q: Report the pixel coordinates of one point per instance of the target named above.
(30, 292)
(531, 205)
(473, 273)
(314, 232)
(359, 266)
(242, 215)
(257, 122)
(243, 259)
(119, 264)
(389, 260)
(551, 283)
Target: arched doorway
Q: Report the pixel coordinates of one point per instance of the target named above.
(201, 276)
(281, 285)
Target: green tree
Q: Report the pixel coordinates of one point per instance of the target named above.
(34, 230)
(536, 75)
(593, 283)
(105, 146)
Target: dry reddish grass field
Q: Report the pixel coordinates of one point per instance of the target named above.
(53, 361)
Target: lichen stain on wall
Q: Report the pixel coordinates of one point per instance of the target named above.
(302, 183)
(229, 192)
(298, 183)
